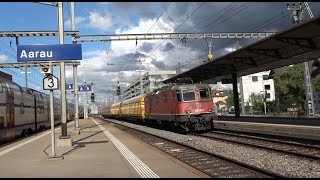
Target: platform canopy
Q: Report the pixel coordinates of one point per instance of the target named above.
(295, 45)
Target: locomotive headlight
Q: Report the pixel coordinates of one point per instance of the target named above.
(209, 110)
(188, 111)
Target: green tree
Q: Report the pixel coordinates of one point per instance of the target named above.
(289, 87)
(316, 83)
(230, 101)
(257, 102)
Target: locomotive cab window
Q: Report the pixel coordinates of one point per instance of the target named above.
(179, 98)
(204, 94)
(188, 95)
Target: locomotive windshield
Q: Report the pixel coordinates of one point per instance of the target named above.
(188, 95)
(204, 94)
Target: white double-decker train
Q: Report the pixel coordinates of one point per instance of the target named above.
(24, 110)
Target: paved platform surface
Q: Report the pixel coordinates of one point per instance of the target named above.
(99, 151)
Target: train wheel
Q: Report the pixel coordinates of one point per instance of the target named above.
(30, 131)
(24, 133)
(172, 127)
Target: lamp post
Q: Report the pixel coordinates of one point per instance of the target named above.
(264, 96)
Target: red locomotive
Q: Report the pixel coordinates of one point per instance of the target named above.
(180, 106)
(186, 106)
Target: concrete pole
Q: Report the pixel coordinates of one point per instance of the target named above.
(141, 87)
(235, 96)
(85, 97)
(75, 80)
(243, 110)
(62, 76)
(53, 154)
(75, 86)
(26, 72)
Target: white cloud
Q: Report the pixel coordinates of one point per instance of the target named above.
(79, 20)
(95, 62)
(3, 58)
(100, 21)
(125, 47)
(93, 53)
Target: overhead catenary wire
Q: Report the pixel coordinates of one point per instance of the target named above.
(230, 7)
(132, 59)
(231, 41)
(176, 29)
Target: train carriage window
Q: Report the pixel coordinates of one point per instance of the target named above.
(204, 94)
(8, 88)
(188, 95)
(1, 90)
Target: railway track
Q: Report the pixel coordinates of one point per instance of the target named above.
(302, 150)
(211, 164)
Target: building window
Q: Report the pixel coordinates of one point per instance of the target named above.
(267, 87)
(265, 77)
(268, 95)
(254, 78)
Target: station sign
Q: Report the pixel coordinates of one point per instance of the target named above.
(52, 52)
(69, 87)
(83, 88)
(50, 83)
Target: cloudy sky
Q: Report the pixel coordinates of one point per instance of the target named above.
(102, 18)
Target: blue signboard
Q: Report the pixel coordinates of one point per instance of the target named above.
(69, 87)
(54, 52)
(83, 88)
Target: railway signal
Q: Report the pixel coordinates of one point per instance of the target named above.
(118, 89)
(92, 97)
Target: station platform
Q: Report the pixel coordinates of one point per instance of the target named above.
(98, 151)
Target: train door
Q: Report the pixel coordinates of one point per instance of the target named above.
(10, 111)
(175, 99)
